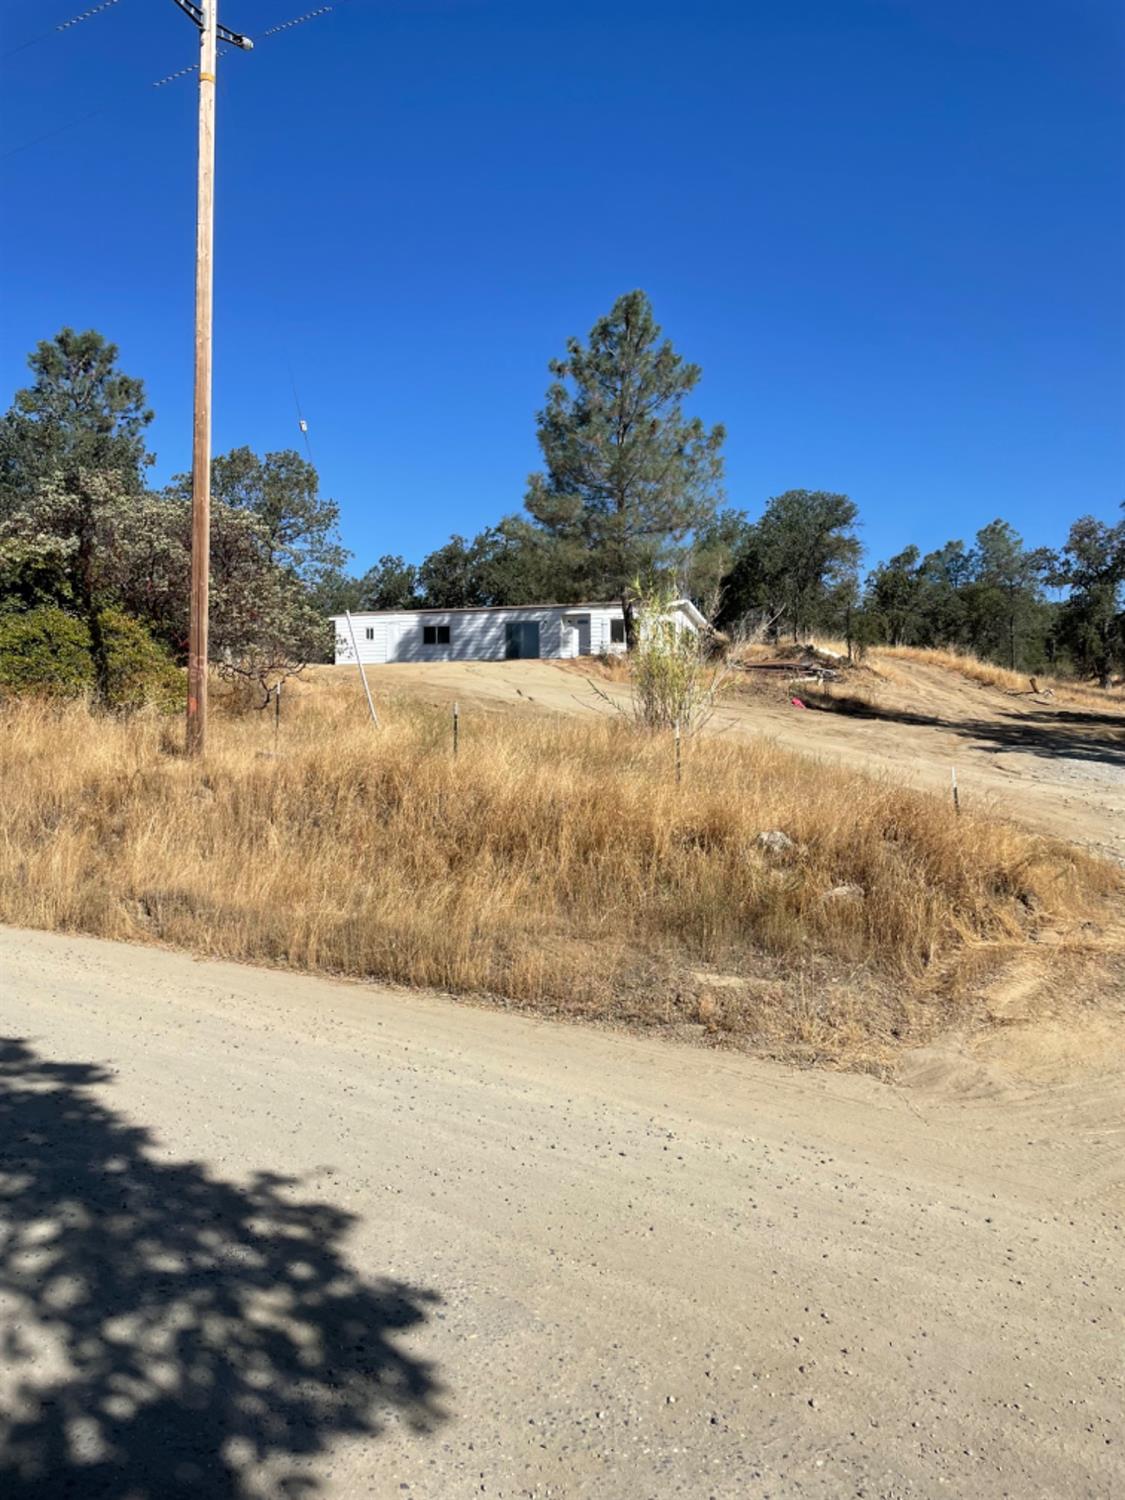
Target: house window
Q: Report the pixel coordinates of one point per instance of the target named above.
(370, 632)
(435, 635)
(617, 632)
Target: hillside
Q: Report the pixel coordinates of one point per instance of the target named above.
(1056, 764)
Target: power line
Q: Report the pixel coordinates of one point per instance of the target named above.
(171, 78)
(94, 10)
(45, 36)
(299, 20)
(156, 83)
(301, 423)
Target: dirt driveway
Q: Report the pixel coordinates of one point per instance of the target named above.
(265, 1235)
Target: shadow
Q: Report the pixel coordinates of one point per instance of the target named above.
(165, 1333)
(1058, 733)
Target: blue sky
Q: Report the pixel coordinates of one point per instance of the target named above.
(892, 233)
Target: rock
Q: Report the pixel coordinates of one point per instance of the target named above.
(775, 842)
(846, 892)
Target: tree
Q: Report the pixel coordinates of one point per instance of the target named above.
(1006, 613)
(940, 611)
(334, 592)
(263, 622)
(709, 557)
(893, 594)
(282, 490)
(518, 562)
(74, 529)
(71, 446)
(391, 584)
(97, 548)
(799, 561)
(627, 473)
(80, 413)
(1092, 620)
(452, 577)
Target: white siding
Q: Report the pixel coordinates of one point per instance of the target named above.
(474, 635)
(600, 643)
(479, 634)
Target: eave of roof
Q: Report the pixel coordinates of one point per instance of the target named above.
(475, 609)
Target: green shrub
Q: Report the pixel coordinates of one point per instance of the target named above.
(47, 653)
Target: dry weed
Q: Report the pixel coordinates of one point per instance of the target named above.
(552, 862)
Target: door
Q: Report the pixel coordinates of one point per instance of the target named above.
(521, 639)
(577, 643)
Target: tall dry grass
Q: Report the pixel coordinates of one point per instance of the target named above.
(553, 862)
(988, 674)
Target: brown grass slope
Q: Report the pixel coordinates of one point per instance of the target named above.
(988, 674)
(554, 863)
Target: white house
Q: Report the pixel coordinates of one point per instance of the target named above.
(493, 632)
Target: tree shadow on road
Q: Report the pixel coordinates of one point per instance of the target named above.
(165, 1333)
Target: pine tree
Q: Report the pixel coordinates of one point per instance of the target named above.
(627, 475)
(80, 413)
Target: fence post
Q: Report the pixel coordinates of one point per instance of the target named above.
(956, 797)
(456, 725)
(276, 716)
(679, 764)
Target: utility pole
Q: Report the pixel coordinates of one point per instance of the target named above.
(206, 17)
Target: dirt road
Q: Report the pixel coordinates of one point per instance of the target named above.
(1056, 768)
(267, 1235)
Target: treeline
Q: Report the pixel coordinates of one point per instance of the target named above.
(95, 563)
(795, 572)
(631, 489)
(630, 493)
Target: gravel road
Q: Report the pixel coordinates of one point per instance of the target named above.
(265, 1235)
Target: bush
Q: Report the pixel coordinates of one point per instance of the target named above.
(47, 653)
(678, 680)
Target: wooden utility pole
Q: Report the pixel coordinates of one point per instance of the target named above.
(205, 14)
(201, 434)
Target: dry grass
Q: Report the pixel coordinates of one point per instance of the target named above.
(989, 675)
(554, 863)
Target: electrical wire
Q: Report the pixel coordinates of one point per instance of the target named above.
(299, 20)
(301, 423)
(45, 36)
(180, 73)
(157, 83)
(86, 15)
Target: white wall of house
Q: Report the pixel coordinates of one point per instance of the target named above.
(481, 634)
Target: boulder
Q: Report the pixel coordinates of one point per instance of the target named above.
(846, 892)
(773, 841)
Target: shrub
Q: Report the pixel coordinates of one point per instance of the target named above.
(47, 653)
(678, 679)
